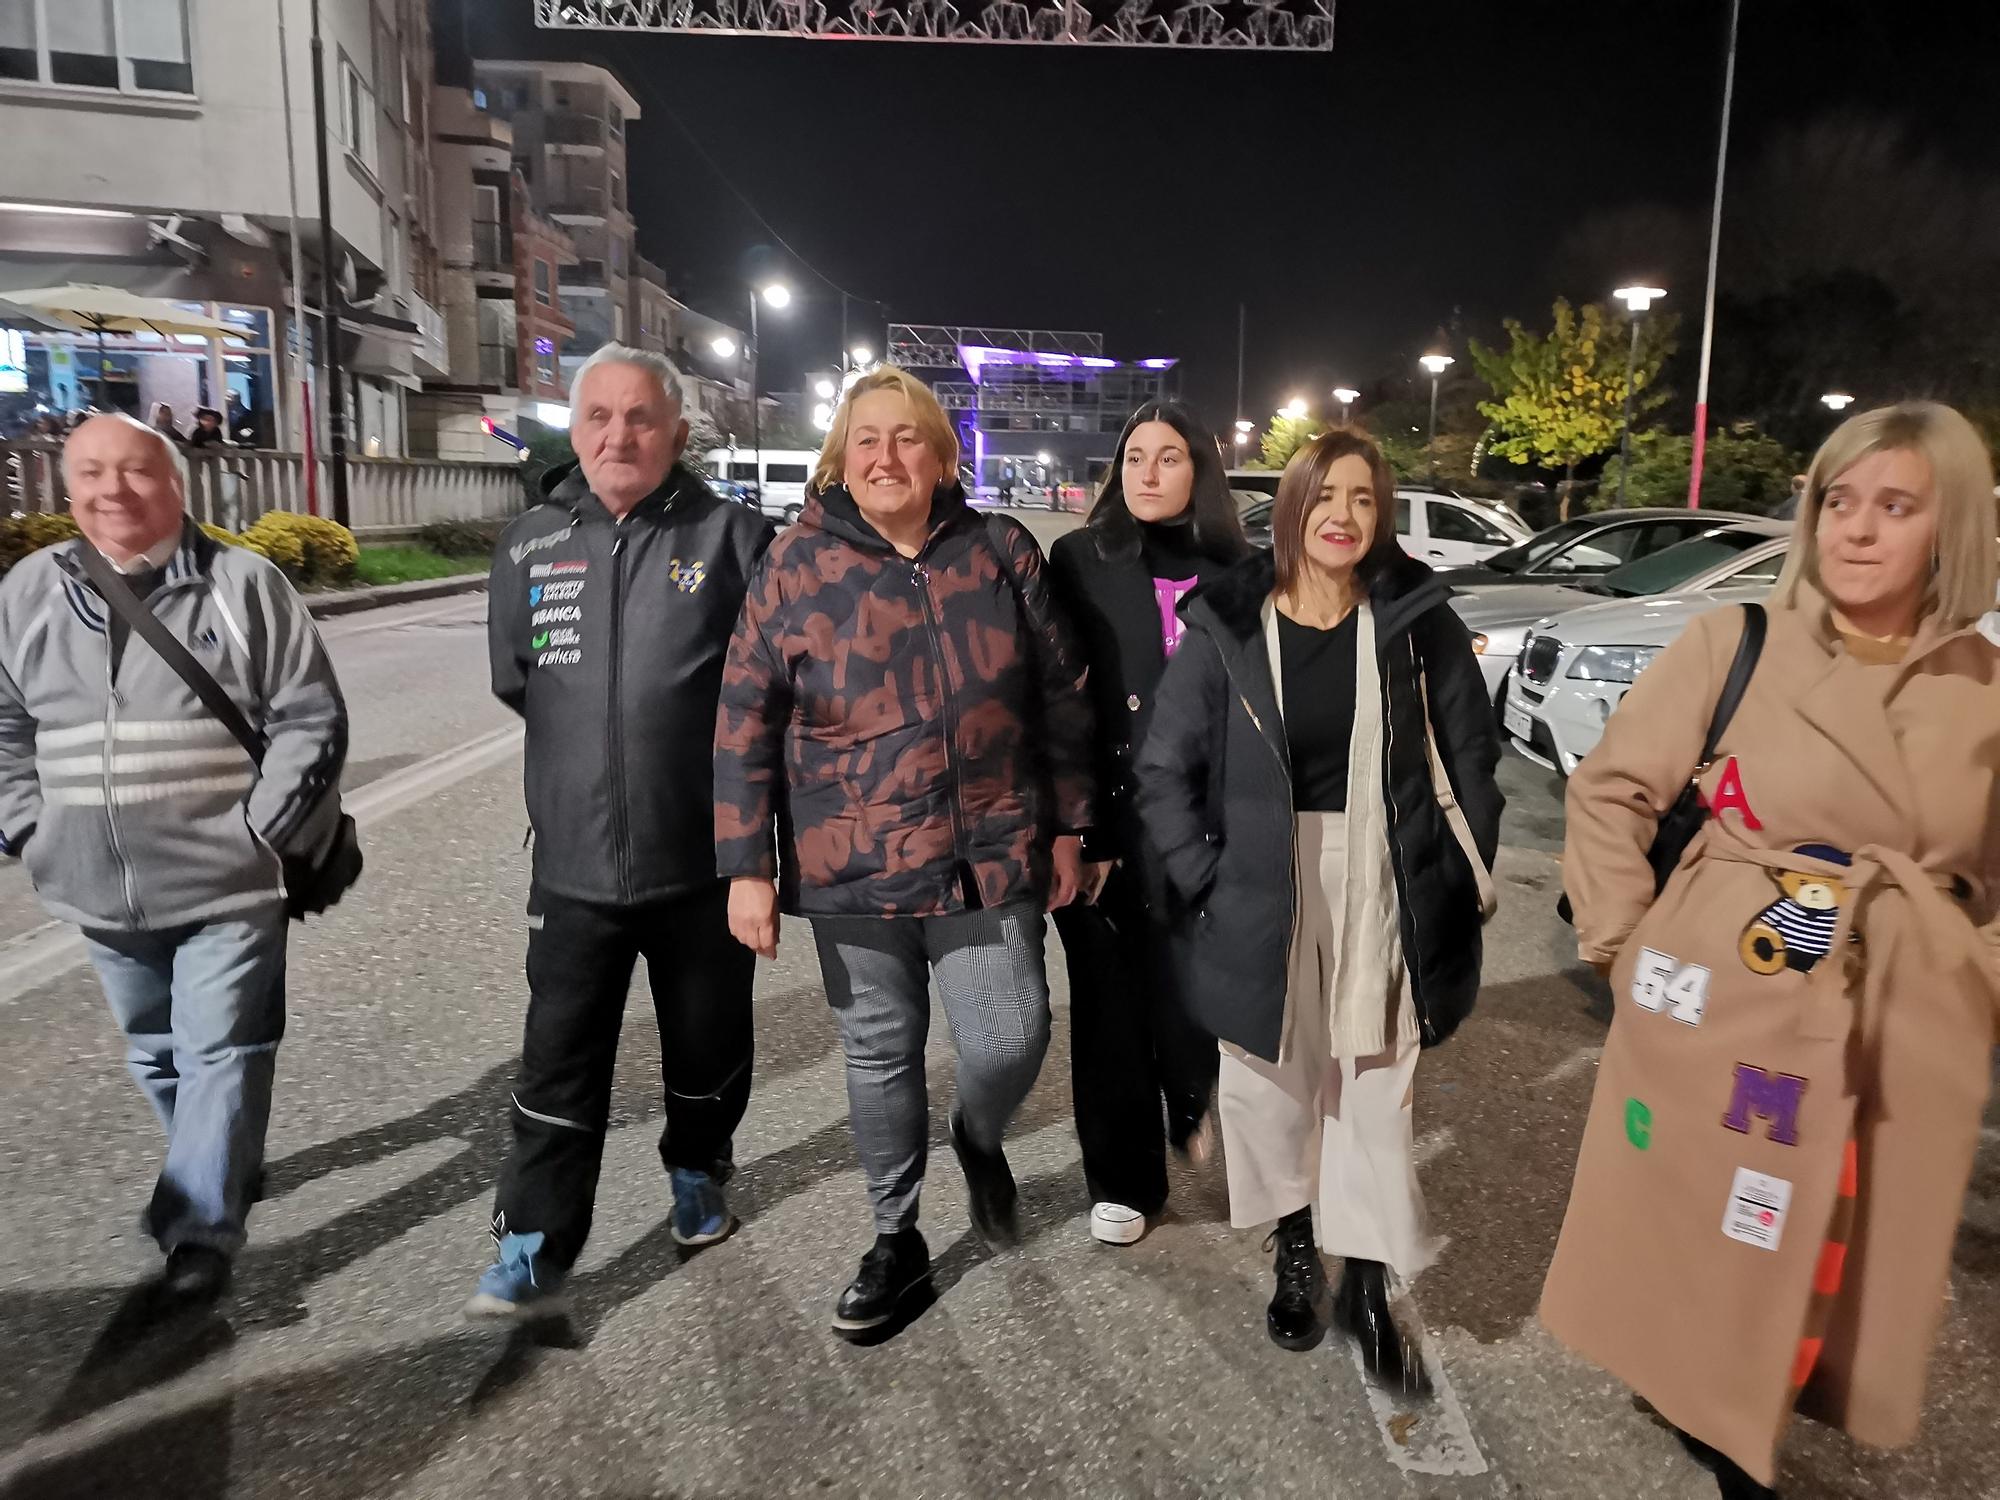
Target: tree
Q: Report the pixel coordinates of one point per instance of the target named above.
(704, 437)
(1284, 437)
(1559, 400)
(1743, 469)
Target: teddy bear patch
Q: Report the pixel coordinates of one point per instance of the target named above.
(1796, 931)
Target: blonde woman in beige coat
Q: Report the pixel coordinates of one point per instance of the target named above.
(1790, 1098)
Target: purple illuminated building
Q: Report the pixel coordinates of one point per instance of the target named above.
(1017, 394)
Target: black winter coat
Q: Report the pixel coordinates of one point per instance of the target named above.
(1215, 793)
(1105, 590)
(608, 638)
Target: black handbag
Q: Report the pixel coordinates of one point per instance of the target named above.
(311, 885)
(1682, 821)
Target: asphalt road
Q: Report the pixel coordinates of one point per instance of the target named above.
(339, 1368)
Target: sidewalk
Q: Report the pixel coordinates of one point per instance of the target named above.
(347, 601)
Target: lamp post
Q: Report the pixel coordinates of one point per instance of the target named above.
(1636, 299)
(1836, 401)
(1244, 429)
(780, 297)
(1437, 364)
(1346, 395)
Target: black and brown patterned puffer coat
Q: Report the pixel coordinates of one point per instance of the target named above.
(900, 736)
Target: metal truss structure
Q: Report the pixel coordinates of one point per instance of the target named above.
(929, 346)
(1213, 25)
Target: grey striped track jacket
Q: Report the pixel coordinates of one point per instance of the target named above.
(132, 806)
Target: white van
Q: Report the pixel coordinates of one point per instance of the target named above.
(781, 488)
(1445, 531)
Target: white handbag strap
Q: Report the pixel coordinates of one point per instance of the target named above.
(1447, 800)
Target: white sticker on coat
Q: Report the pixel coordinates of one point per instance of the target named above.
(1757, 1208)
(1662, 982)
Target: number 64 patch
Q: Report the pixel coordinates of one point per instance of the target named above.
(1662, 982)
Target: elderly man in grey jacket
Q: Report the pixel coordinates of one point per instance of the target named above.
(145, 822)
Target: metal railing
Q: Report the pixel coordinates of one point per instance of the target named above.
(234, 487)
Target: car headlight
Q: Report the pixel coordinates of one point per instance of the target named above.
(1612, 663)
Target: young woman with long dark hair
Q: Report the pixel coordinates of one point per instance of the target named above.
(1164, 523)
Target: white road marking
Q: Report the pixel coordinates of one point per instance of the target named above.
(332, 629)
(1427, 1435)
(43, 953)
(1434, 1145)
(1577, 1062)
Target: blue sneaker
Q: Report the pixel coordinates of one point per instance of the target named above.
(512, 1287)
(701, 1214)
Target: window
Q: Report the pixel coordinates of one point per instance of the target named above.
(1402, 515)
(617, 191)
(785, 473)
(134, 46)
(617, 124)
(389, 69)
(1676, 565)
(1451, 524)
(1764, 570)
(743, 473)
(542, 293)
(357, 109)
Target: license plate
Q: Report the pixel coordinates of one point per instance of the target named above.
(1518, 722)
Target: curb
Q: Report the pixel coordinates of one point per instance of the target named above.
(347, 601)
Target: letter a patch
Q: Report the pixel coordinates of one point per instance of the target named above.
(1729, 793)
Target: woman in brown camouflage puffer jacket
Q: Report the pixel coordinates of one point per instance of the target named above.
(902, 757)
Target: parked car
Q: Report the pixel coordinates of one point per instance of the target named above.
(1577, 668)
(1589, 545)
(1442, 530)
(1744, 550)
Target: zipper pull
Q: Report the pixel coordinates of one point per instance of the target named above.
(920, 575)
(618, 544)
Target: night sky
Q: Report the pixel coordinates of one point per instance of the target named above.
(1416, 184)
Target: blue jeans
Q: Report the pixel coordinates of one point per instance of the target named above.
(203, 1011)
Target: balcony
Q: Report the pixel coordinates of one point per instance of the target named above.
(433, 355)
(492, 246)
(578, 204)
(498, 366)
(586, 277)
(575, 132)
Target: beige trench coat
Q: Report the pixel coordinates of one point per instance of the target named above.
(1826, 960)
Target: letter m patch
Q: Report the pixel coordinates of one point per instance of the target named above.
(1758, 1095)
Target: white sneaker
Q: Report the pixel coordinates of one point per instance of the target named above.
(1115, 1224)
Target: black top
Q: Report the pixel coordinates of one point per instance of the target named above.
(1319, 708)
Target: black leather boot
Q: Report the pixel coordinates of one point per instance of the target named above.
(1361, 1310)
(1295, 1318)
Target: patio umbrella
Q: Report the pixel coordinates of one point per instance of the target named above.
(109, 309)
(13, 315)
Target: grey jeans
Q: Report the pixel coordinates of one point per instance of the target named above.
(995, 989)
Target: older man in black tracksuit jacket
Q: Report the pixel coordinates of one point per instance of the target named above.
(609, 610)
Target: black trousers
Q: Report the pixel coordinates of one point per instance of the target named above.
(1134, 1050)
(580, 962)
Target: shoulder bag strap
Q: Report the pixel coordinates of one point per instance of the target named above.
(145, 624)
(1748, 649)
(1447, 801)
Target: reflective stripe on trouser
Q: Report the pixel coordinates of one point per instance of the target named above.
(1333, 1132)
(581, 959)
(995, 992)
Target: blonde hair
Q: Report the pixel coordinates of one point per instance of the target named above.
(932, 424)
(1966, 567)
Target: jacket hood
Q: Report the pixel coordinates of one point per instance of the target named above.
(564, 484)
(835, 512)
(1399, 587)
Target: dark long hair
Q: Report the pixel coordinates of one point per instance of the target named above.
(1218, 532)
(1298, 493)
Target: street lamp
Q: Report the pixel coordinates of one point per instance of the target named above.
(1437, 364)
(1636, 299)
(1346, 395)
(780, 297)
(1837, 400)
(1295, 409)
(725, 348)
(824, 390)
(863, 356)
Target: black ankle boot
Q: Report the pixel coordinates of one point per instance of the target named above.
(1361, 1310)
(1294, 1318)
(1731, 1482)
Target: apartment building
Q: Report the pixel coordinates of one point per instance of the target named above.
(177, 107)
